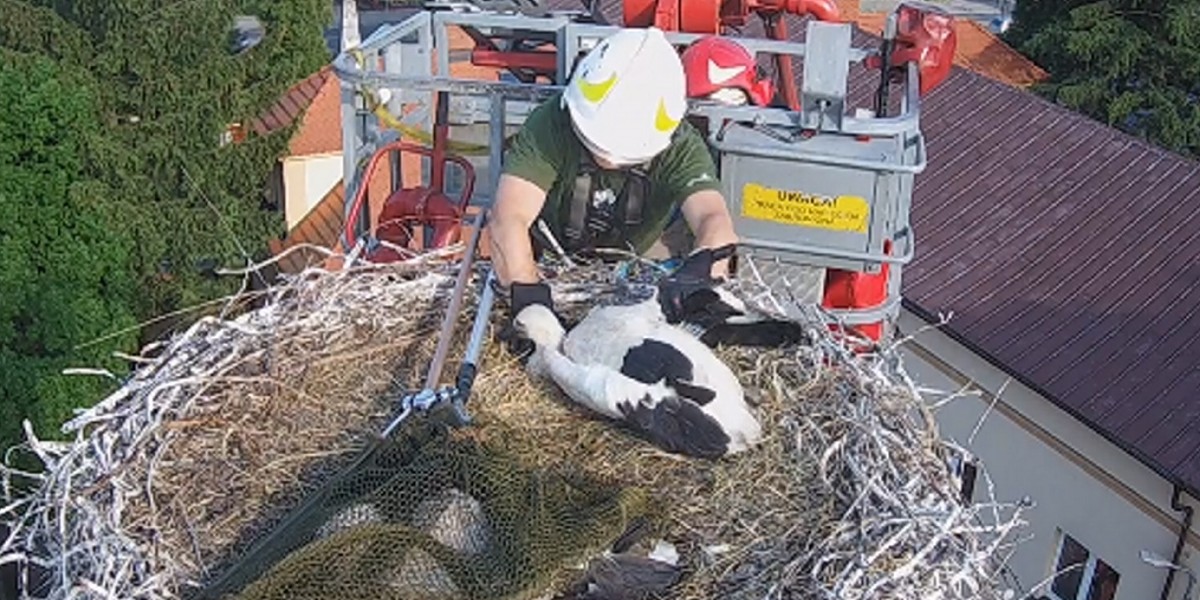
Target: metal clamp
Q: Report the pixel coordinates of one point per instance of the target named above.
(458, 393)
(424, 401)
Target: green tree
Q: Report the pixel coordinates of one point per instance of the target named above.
(1133, 64)
(174, 88)
(63, 256)
(113, 186)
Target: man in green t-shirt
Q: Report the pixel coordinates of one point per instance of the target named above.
(606, 163)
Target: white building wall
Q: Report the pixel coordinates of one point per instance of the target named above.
(306, 180)
(1081, 483)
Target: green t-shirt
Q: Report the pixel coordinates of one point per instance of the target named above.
(547, 153)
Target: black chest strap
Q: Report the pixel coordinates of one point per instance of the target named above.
(588, 218)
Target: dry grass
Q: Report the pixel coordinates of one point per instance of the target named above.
(221, 434)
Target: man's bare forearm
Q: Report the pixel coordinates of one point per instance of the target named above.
(518, 203)
(706, 215)
(512, 254)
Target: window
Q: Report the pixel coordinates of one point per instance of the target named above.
(1080, 575)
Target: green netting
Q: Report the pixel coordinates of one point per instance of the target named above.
(436, 513)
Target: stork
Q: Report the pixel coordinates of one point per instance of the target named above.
(719, 318)
(627, 363)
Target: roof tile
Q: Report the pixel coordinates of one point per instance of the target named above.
(1062, 248)
(283, 112)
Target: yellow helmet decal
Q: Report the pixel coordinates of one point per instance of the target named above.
(662, 121)
(595, 92)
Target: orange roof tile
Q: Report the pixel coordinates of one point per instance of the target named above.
(319, 227)
(287, 108)
(320, 129)
(978, 49)
(981, 51)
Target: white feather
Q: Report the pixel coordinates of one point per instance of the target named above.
(586, 364)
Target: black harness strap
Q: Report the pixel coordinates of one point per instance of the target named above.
(577, 213)
(633, 194)
(586, 220)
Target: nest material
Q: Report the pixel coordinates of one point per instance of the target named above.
(220, 435)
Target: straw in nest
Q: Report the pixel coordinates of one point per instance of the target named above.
(216, 438)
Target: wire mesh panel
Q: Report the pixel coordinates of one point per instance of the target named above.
(435, 514)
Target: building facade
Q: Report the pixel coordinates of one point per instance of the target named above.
(1094, 504)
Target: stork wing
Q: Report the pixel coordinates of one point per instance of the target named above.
(655, 361)
(656, 412)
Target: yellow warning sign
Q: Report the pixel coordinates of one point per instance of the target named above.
(841, 213)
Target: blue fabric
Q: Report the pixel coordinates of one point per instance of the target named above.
(675, 215)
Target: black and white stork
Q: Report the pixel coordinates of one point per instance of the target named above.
(629, 364)
(719, 318)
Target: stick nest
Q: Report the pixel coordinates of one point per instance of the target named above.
(227, 426)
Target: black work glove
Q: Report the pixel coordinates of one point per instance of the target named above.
(694, 275)
(520, 296)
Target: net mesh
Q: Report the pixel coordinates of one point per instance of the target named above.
(437, 513)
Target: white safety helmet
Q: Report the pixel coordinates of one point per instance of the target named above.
(627, 96)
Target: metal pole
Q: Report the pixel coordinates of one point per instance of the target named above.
(352, 132)
(447, 329)
(889, 42)
(475, 345)
(470, 364)
(469, 367)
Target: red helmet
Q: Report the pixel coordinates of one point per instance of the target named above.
(713, 63)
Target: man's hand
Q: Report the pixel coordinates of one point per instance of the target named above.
(695, 274)
(708, 217)
(522, 295)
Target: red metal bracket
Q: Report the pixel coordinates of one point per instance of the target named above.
(418, 206)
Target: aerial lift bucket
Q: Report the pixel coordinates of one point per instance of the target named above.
(819, 192)
(825, 168)
(821, 198)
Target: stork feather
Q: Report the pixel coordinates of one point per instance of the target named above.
(629, 364)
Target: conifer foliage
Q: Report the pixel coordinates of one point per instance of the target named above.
(1134, 64)
(115, 193)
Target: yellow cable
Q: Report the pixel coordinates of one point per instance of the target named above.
(389, 120)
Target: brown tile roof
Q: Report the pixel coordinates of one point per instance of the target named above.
(1068, 252)
(319, 227)
(291, 105)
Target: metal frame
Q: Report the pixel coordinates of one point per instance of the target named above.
(424, 69)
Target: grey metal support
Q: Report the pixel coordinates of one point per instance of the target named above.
(496, 127)
(826, 73)
(441, 43)
(352, 137)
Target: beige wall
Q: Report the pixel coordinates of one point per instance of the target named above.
(306, 180)
(1081, 483)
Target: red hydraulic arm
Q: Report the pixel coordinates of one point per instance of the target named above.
(709, 16)
(926, 37)
(689, 16)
